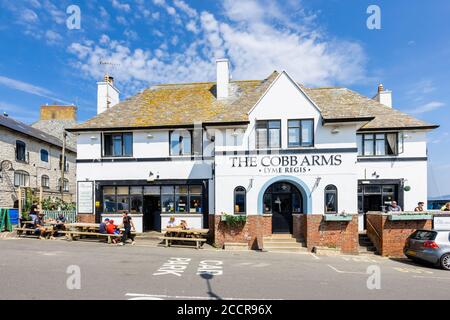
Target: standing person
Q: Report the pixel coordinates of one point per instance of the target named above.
(127, 225)
(394, 207)
(419, 207)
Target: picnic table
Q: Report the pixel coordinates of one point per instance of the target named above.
(179, 234)
(26, 229)
(79, 229)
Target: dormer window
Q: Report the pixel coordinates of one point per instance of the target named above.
(377, 144)
(180, 142)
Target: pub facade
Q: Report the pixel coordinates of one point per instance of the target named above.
(272, 150)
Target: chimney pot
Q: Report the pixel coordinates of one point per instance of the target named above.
(380, 88)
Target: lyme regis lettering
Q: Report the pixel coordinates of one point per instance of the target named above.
(286, 164)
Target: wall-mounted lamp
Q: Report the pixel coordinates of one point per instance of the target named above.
(375, 175)
(152, 177)
(93, 138)
(150, 136)
(335, 130)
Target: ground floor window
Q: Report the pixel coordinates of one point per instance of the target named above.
(240, 195)
(331, 202)
(377, 197)
(170, 198)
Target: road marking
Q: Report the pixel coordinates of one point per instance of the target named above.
(425, 277)
(412, 270)
(349, 272)
(360, 259)
(174, 266)
(211, 267)
(315, 256)
(163, 296)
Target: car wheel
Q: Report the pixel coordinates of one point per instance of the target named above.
(445, 261)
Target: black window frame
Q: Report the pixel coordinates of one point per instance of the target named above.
(361, 153)
(19, 145)
(46, 153)
(267, 128)
(112, 134)
(191, 133)
(331, 188)
(240, 192)
(47, 178)
(301, 145)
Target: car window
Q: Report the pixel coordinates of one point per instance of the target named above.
(424, 235)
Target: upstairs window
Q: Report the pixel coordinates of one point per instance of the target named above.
(378, 144)
(44, 155)
(21, 148)
(118, 144)
(180, 142)
(268, 134)
(300, 133)
(65, 185)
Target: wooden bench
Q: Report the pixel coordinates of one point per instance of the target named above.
(22, 230)
(168, 240)
(72, 234)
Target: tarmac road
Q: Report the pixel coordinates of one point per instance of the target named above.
(45, 269)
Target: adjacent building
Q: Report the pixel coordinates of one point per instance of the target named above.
(270, 149)
(32, 158)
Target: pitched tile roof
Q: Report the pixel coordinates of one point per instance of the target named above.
(25, 129)
(187, 104)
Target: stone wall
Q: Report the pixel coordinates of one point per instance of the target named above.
(34, 167)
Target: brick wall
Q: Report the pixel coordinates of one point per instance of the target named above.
(58, 113)
(252, 232)
(392, 235)
(35, 167)
(299, 226)
(331, 234)
(86, 218)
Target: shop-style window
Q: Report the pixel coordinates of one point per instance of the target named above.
(167, 199)
(378, 144)
(240, 195)
(44, 155)
(300, 133)
(268, 134)
(118, 144)
(331, 201)
(180, 142)
(136, 200)
(21, 179)
(21, 151)
(45, 182)
(195, 199)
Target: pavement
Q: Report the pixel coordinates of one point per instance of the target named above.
(45, 269)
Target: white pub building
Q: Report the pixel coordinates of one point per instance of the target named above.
(270, 149)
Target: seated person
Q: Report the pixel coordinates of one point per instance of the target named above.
(102, 227)
(111, 228)
(446, 207)
(39, 226)
(183, 225)
(394, 207)
(419, 207)
(171, 223)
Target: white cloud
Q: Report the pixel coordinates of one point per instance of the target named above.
(430, 106)
(255, 39)
(29, 16)
(29, 88)
(183, 6)
(53, 37)
(120, 6)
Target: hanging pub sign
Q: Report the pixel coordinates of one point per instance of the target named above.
(286, 163)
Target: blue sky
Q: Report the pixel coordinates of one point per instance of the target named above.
(319, 42)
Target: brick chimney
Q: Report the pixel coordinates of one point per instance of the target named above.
(57, 112)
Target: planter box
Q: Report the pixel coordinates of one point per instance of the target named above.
(405, 217)
(335, 217)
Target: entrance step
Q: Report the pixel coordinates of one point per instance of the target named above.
(152, 235)
(283, 243)
(236, 246)
(366, 246)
